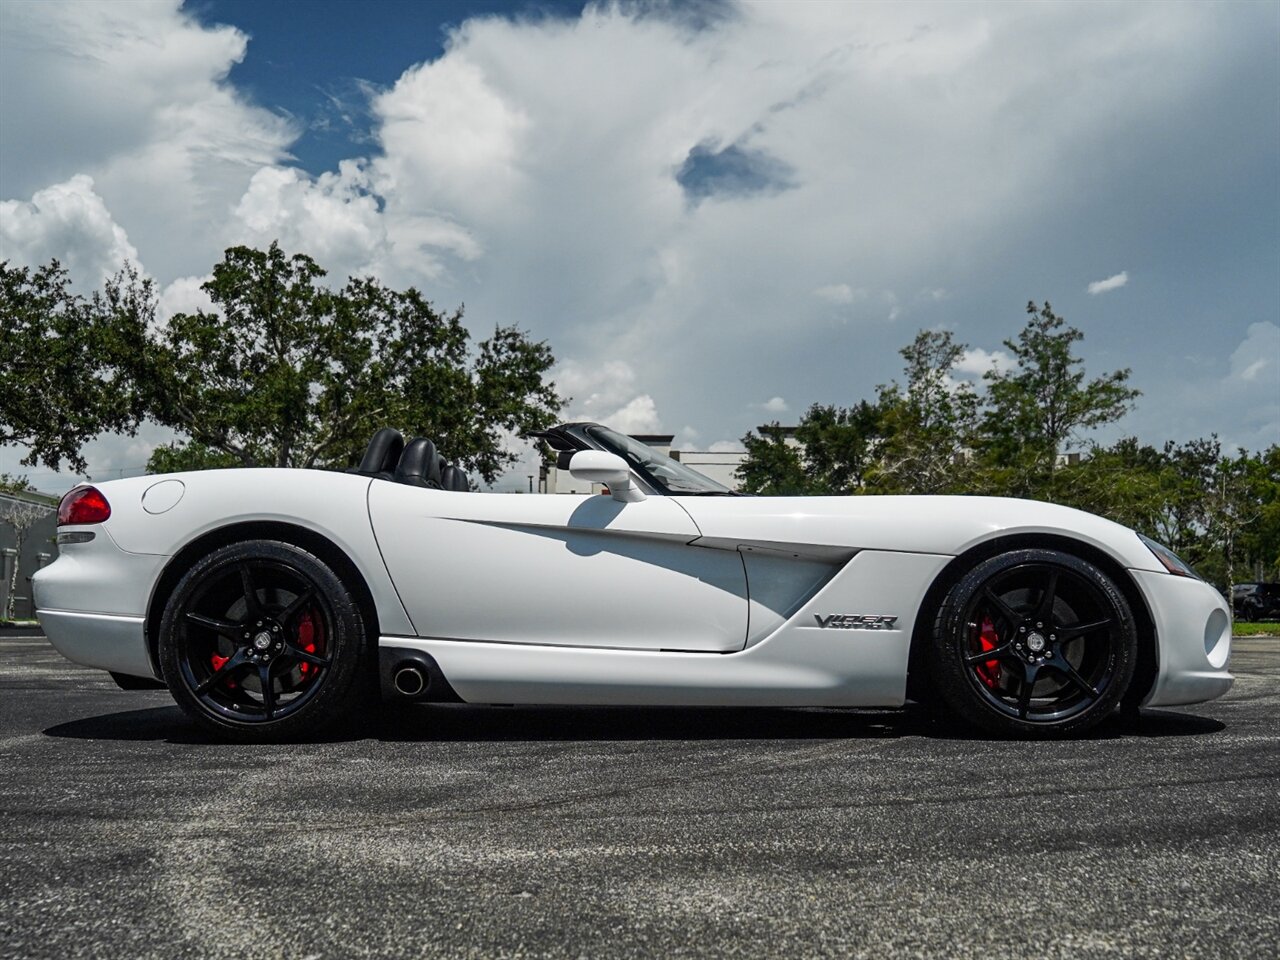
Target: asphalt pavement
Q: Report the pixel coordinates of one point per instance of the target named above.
(461, 831)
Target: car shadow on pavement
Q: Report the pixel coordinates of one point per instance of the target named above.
(481, 723)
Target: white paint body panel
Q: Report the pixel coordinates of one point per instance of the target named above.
(569, 570)
(949, 525)
(1193, 623)
(799, 664)
(583, 599)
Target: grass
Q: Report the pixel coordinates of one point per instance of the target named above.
(1256, 629)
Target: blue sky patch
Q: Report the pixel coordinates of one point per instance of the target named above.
(735, 171)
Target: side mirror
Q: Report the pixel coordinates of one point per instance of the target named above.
(596, 466)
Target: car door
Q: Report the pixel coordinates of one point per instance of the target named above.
(558, 569)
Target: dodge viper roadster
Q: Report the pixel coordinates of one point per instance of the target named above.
(276, 603)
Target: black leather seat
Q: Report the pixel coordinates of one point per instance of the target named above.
(382, 454)
(419, 464)
(451, 478)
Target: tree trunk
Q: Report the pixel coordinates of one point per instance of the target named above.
(13, 578)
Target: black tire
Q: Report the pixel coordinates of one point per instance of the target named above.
(263, 616)
(1033, 643)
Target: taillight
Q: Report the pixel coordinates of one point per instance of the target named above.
(83, 505)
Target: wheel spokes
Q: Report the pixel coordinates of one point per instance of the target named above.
(1011, 619)
(1044, 612)
(1002, 652)
(233, 665)
(268, 692)
(297, 653)
(224, 627)
(1066, 669)
(1024, 694)
(295, 606)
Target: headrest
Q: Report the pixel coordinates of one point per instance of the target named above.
(419, 464)
(382, 454)
(451, 478)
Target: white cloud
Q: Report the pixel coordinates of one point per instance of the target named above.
(639, 415)
(334, 218)
(774, 405)
(135, 95)
(726, 446)
(67, 221)
(184, 295)
(607, 393)
(977, 361)
(1257, 360)
(1111, 283)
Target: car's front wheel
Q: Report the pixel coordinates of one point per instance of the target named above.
(1033, 642)
(262, 641)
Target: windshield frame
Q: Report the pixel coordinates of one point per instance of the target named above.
(655, 468)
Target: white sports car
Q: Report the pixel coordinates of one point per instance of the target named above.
(276, 603)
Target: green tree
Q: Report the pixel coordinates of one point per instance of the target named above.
(929, 422)
(59, 386)
(1231, 509)
(286, 372)
(1260, 540)
(1043, 403)
(831, 452)
(772, 466)
(840, 446)
(12, 484)
(1126, 482)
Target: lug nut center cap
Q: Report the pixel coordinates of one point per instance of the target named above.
(1035, 642)
(262, 641)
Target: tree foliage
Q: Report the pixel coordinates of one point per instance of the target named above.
(935, 434)
(928, 423)
(59, 386)
(1034, 409)
(287, 372)
(283, 371)
(773, 465)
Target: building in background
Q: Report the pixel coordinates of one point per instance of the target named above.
(39, 548)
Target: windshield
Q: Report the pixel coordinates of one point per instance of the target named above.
(668, 475)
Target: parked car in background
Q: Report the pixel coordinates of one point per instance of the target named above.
(1256, 601)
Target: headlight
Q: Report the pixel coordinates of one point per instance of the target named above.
(1170, 560)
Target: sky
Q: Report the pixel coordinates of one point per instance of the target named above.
(717, 213)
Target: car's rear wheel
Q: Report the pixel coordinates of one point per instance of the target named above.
(1033, 643)
(262, 641)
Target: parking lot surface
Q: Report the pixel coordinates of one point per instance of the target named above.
(527, 832)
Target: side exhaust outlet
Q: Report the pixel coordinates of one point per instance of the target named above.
(408, 674)
(410, 681)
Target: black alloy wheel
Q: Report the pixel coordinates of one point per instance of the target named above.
(1034, 643)
(262, 641)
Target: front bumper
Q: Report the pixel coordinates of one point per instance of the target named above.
(92, 603)
(1193, 639)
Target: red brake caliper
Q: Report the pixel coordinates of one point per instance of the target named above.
(307, 630)
(217, 662)
(988, 639)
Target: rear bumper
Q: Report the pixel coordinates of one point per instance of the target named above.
(92, 604)
(1193, 633)
(103, 640)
